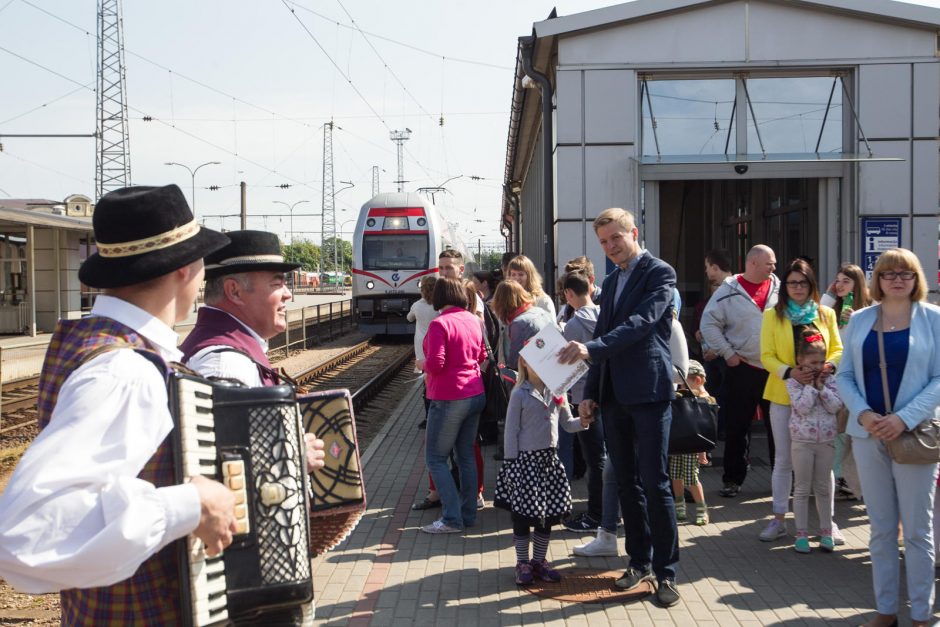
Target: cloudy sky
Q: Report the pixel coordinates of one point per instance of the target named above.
(250, 83)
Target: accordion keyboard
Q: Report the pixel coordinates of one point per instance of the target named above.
(207, 574)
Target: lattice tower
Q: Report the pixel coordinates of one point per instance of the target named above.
(329, 196)
(113, 159)
(375, 180)
(400, 137)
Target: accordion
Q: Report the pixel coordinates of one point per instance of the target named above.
(339, 496)
(251, 440)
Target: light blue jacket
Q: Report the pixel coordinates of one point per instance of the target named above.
(919, 394)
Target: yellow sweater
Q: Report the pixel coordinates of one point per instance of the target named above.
(777, 351)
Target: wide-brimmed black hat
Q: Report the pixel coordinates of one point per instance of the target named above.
(249, 251)
(142, 233)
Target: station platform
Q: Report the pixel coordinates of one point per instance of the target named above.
(389, 573)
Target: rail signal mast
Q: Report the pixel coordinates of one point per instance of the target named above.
(400, 137)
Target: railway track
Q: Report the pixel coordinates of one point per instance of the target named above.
(365, 369)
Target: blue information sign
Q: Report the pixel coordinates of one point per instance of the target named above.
(878, 235)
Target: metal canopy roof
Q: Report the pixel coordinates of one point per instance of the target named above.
(885, 10)
(25, 217)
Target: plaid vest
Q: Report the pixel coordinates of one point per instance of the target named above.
(151, 596)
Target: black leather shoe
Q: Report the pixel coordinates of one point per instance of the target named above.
(730, 489)
(632, 578)
(666, 593)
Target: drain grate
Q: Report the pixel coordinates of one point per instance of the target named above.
(588, 585)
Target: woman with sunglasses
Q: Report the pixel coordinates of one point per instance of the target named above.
(797, 311)
(895, 492)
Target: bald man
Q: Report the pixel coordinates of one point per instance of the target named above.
(731, 327)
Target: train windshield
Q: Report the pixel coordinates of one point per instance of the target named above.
(394, 252)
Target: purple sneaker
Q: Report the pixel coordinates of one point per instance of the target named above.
(544, 571)
(524, 574)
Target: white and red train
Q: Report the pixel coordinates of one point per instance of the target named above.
(397, 241)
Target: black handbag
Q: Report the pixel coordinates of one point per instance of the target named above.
(694, 426)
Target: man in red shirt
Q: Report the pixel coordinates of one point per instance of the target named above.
(731, 327)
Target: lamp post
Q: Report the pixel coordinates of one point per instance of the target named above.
(192, 173)
(291, 207)
(348, 184)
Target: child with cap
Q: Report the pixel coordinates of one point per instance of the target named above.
(683, 469)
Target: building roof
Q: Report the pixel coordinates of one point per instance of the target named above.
(18, 216)
(883, 10)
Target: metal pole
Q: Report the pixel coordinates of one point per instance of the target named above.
(244, 205)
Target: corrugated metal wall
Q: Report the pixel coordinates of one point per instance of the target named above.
(532, 221)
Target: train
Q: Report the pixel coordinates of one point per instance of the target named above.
(397, 241)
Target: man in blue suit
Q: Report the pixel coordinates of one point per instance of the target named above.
(630, 381)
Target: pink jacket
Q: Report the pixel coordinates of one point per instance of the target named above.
(812, 411)
(453, 351)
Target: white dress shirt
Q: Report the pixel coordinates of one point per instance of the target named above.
(229, 364)
(74, 514)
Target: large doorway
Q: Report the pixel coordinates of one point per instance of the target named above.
(697, 216)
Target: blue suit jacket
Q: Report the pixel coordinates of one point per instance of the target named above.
(630, 355)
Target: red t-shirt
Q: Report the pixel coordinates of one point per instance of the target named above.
(757, 291)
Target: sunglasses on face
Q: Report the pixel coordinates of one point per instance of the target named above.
(905, 275)
(796, 284)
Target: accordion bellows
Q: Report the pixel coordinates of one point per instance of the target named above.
(338, 494)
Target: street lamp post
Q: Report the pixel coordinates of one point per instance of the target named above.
(291, 207)
(192, 173)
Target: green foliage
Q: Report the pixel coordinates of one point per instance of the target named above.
(343, 255)
(303, 252)
(489, 260)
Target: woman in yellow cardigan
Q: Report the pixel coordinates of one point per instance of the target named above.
(797, 307)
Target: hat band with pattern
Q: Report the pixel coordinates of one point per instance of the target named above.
(245, 259)
(148, 244)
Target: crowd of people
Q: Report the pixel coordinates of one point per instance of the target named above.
(771, 351)
(840, 379)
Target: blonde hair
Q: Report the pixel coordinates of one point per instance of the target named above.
(525, 373)
(621, 216)
(509, 297)
(895, 259)
(521, 263)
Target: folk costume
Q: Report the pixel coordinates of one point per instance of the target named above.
(101, 467)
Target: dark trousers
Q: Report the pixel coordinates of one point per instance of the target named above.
(595, 457)
(714, 383)
(637, 439)
(743, 392)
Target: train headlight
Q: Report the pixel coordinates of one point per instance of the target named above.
(370, 284)
(396, 224)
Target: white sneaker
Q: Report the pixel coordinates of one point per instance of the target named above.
(837, 538)
(438, 526)
(774, 530)
(604, 545)
(480, 502)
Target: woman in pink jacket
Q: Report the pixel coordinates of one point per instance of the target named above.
(453, 351)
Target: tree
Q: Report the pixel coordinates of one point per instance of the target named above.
(304, 252)
(343, 255)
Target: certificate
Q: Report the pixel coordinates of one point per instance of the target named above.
(541, 353)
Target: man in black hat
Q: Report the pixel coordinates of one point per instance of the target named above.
(246, 305)
(93, 505)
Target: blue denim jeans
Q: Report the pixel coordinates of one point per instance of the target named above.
(452, 426)
(893, 493)
(637, 438)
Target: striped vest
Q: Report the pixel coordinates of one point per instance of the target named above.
(151, 595)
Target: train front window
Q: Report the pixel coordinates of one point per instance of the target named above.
(394, 252)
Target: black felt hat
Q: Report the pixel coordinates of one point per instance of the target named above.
(249, 251)
(142, 233)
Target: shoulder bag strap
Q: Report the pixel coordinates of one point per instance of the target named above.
(882, 364)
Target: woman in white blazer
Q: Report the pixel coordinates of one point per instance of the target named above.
(895, 492)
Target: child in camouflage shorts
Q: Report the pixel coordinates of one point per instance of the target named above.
(683, 469)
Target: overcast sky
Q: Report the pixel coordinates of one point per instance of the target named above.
(250, 83)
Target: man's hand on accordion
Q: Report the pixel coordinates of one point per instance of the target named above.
(217, 516)
(315, 453)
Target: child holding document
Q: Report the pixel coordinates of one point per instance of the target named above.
(531, 482)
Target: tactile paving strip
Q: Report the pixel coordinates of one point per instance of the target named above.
(588, 585)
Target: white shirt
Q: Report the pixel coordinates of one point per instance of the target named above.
(229, 364)
(422, 313)
(74, 513)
